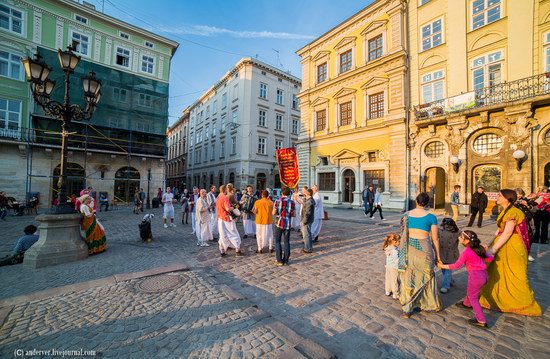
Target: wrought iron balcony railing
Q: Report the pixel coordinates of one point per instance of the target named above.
(505, 92)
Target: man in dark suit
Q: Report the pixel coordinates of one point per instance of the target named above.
(307, 217)
(479, 204)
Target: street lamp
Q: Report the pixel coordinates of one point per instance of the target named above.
(456, 162)
(148, 204)
(520, 156)
(37, 73)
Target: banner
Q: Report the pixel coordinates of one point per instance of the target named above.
(288, 167)
(460, 102)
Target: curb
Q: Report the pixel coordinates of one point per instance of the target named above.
(114, 279)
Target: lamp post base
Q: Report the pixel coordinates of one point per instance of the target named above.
(59, 242)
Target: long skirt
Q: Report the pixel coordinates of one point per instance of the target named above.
(507, 289)
(95, 235)
(203, 231)
(214, 224)
(249, 225)
(296, 219)
(264, 236)
(418, 285)
(316, 227)
(229, 236)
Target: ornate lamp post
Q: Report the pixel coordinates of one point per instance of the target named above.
(60, 240)
(41, 87)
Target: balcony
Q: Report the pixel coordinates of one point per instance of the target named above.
(500, 94)
(20, 134)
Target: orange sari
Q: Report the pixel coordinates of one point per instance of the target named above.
(95, 233)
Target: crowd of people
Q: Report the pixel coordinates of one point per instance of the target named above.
(214, 214)
(497, 273)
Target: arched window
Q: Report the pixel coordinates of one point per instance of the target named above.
(547, 137)
(126, 183)
(232, 178)
(487, 143)
(434, 149)
(261, 181)
(489, 177)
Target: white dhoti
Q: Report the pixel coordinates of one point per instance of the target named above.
(295, 224)
(264, 236)
(316, 227)
(229, 236)
(214, 224)
(203, 232)
(194, 221)
(249, 226)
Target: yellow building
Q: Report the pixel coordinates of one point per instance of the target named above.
(480, 93)
(353, 107)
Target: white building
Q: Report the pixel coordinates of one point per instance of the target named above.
(235, 127)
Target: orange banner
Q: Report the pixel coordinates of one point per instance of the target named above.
(289, 173)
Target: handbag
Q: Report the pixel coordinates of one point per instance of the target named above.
(403, 250)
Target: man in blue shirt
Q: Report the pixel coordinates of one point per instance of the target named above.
(455, 200)
(22, 245)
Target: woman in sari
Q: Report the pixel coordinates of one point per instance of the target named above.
(95, 233)
(508, 287)
(417, 259)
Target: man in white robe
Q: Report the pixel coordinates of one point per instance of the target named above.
(319, 213)
(193, 208)
(203, 220)
(211, 200)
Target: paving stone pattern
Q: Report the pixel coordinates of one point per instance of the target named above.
(335, 297)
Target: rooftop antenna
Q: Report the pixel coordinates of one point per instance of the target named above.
(278, 60)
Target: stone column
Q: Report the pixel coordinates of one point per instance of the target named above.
(59, 242)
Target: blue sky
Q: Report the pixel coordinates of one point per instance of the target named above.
(215, 34)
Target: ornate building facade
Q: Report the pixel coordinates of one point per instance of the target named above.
(353, 102)
(176, 162)
(481, 93)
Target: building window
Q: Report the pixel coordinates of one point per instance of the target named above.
(10, 114)
(147, 63)
(234, 116)
(485, 12)
(278, 144)
(214, 128)
(124, 35)
(487, 144)
(345, 61)
(149, 44)
(205, 153)
(235, 92)
(222, 149)
(263, 90)
(197, 156)
(144, 100)
(279, 99)
(10, 65)
(222, 123)
(79, 43)
(81, 19)
(207, 111)
(327, 181)
(11, 19)
(261, 145)
(295, 102)
(206, 132)
(433, 85)
(212, 151)
(119, 94)
(372, 156)
(295, 127)
(191, 140)
(345, 113)
(547, 138)
(215, 107)
(422, 2)
(261, 118)
(488, 177)
(322, 72)
(432, 35)
(434, 149)
(376, 105)
(375, 47)
(279, 122)
(375, 178)
(122, 57)
(142, 126)
(233, 145)
(487, 70)
(320, 120)
(224, 100)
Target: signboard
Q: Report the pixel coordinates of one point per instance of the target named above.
(460, 102)
(288, 166)
(492, 196)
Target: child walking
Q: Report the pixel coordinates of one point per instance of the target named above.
(391, 244)
(448, 250)
(474, 257)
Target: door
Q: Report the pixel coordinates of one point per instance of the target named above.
(435, 186)
(261, 181)
(349, 185)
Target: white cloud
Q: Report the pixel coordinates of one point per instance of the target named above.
(210, 31)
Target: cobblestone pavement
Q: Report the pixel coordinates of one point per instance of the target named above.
(333, 297)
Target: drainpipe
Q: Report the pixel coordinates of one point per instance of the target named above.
(533, 129)
(407, 109)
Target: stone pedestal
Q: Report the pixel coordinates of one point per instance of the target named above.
(59, 242)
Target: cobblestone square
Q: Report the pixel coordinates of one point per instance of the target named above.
(327, 303)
